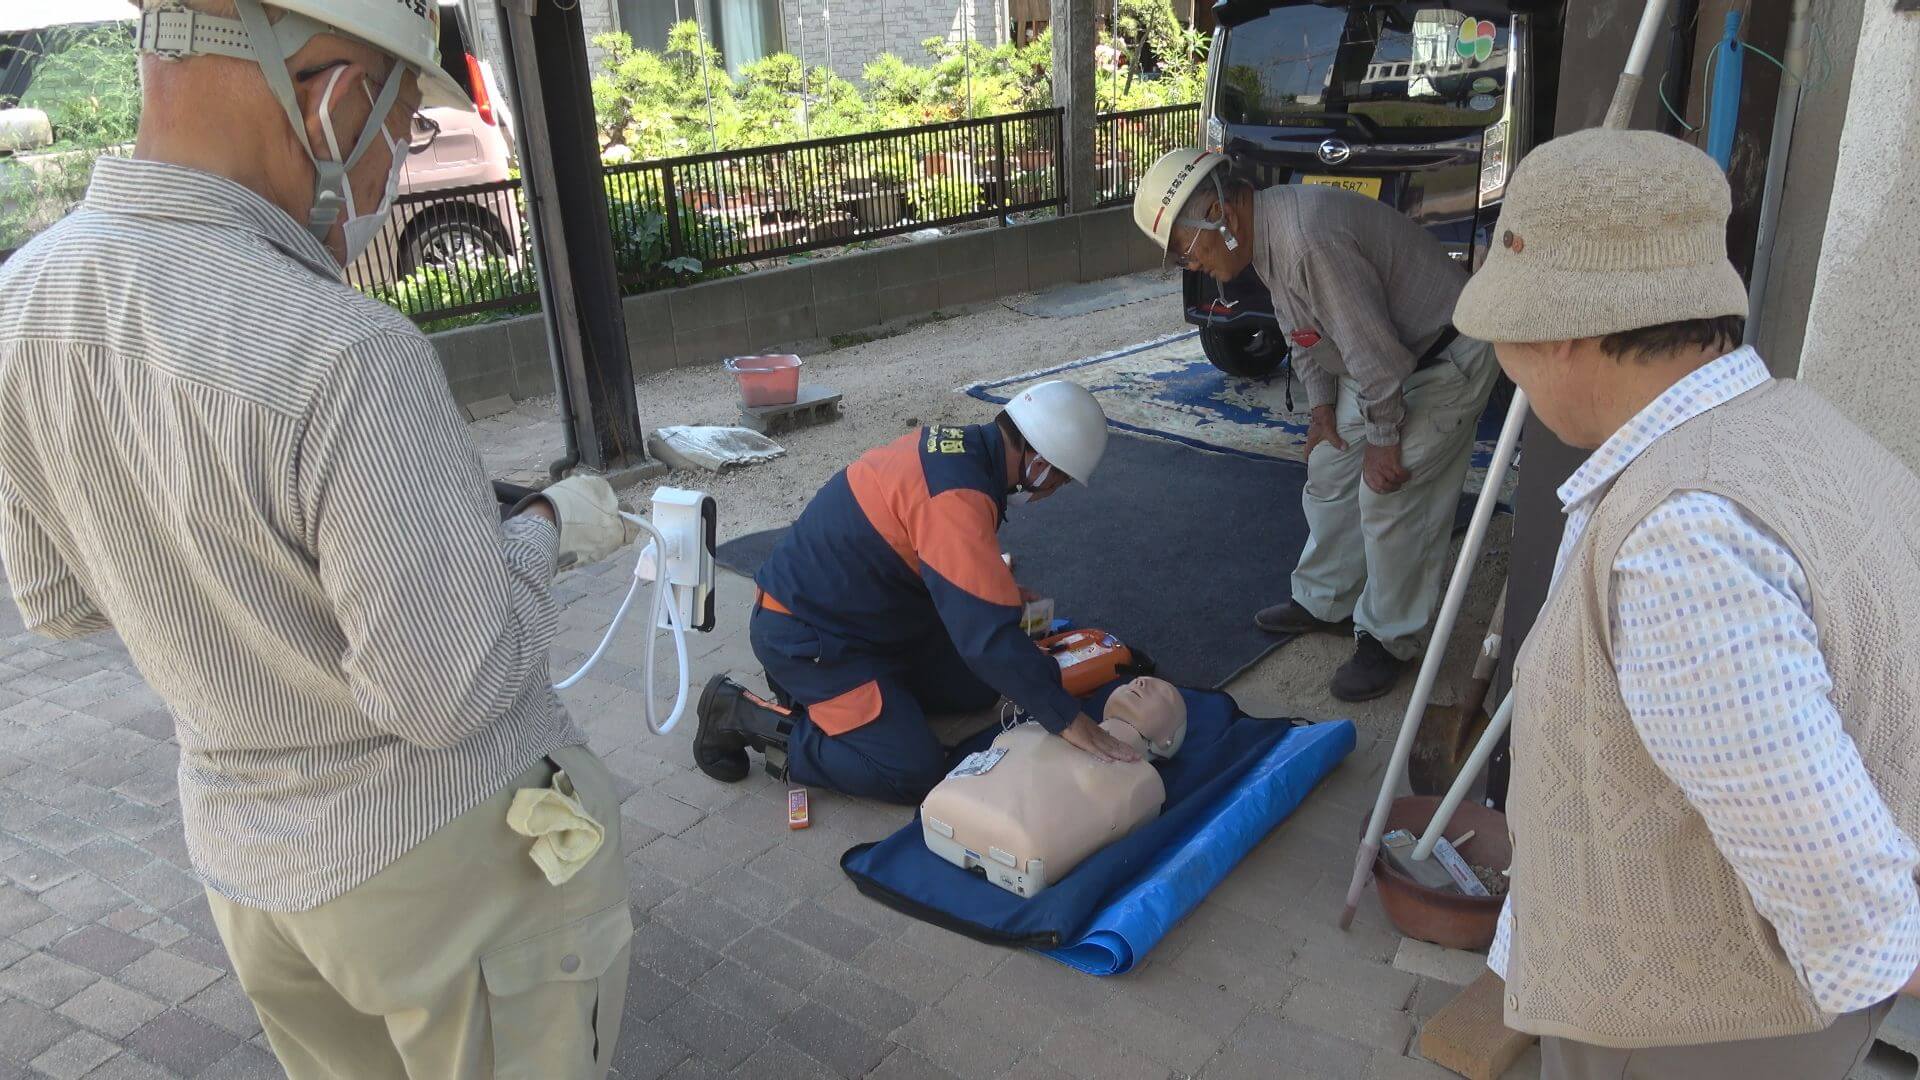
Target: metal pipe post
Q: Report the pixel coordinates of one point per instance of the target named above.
(1430, 664)
(523, 89)
(1620, 113)
(1785, 109)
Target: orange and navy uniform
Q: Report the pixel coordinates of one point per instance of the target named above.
(904, 540)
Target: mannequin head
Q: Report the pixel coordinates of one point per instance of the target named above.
(1148, 714)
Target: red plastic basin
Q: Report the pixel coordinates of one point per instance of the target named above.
(773, 379)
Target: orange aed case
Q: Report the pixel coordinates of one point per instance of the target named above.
(1090, 659)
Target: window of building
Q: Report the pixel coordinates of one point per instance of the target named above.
(746, 30)
(648, 21)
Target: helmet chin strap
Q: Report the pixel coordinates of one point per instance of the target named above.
(1220, 197)
(330, 177)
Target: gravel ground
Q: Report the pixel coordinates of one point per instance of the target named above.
(901, 381)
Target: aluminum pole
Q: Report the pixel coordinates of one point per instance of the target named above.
(1618, 114)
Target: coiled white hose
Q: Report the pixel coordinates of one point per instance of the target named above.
(662, 604)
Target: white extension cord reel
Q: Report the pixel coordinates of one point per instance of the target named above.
(684, 526)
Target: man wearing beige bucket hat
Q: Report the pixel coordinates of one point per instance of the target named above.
(1716, 760)
(1364, 295)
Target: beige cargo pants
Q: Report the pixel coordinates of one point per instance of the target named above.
(1379, 559)
(457, 961)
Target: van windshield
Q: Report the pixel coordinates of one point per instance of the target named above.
(1371, 68)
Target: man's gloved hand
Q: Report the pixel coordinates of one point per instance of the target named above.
(588, 516)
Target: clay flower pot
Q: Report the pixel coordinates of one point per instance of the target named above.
(1451, 919)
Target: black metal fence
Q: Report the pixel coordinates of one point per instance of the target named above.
(737, 206)
(453, 254)
(1125, 144)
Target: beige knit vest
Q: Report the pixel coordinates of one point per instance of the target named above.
(1630, 930)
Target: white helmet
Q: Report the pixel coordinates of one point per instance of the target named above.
(407, 30)
(1064, 424)
(1163, 192)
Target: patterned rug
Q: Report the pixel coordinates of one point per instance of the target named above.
(1166, 388)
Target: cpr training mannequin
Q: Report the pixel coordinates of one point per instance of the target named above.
(1031, 808)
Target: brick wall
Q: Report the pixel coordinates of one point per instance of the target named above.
(861, 29)
(596, 16)
(864, 29)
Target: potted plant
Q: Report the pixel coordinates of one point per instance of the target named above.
(1030, 186)
(943, 197)
(876, 195)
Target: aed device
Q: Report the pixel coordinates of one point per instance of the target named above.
(1090, 659)
(691, 522)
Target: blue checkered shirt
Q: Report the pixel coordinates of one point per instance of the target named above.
(1733, 705)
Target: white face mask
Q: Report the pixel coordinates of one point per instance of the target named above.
(360, 229)
(1025, 494)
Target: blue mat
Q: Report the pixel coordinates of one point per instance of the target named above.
(1237, 523)
(1235, 779)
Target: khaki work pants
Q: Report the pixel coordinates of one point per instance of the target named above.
(1822, 1055)
(457, 961)
(1375, 558)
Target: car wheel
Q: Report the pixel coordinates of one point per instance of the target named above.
(450, 242)
(1252, 354)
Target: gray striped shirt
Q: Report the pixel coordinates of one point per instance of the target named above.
(1372, 285)
(257, 477)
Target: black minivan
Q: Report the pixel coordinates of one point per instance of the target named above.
(1420, 105)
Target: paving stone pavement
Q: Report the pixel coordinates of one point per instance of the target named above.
(754, 956)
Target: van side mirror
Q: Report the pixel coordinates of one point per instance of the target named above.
(24, 130)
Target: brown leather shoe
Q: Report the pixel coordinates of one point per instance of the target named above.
(1291, 618)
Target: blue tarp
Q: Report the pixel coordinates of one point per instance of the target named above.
(1235, 778)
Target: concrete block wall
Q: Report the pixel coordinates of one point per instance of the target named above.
(1860, 330)
(596, 17)
(785, 308)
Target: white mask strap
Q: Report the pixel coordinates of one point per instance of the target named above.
(330, 177)
(1046, 473)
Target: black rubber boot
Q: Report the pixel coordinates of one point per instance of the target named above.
(733, 721)
(1370, 673)
(1291, 618)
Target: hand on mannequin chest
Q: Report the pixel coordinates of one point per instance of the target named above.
(1047, 802)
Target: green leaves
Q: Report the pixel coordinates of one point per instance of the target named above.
(657, 105)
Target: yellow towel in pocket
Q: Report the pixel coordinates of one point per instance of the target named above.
(565, 837)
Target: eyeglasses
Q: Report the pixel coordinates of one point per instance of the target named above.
(423, 129)
(425, 132)
(1184, 260)
(1199, 225)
